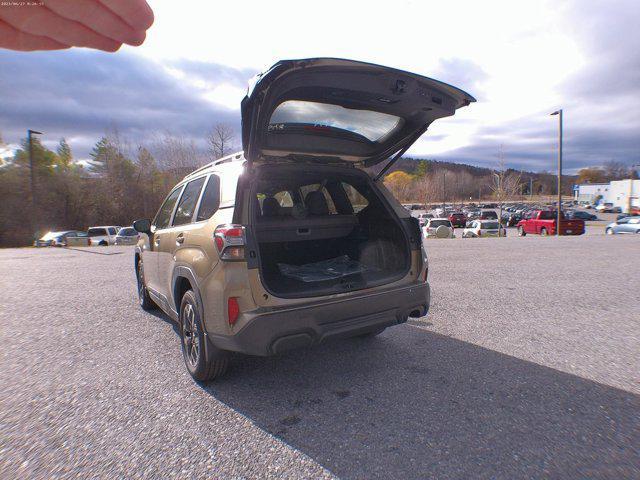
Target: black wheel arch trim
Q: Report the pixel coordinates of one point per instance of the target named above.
(182, 271)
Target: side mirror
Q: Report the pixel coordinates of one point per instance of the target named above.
(142, 226)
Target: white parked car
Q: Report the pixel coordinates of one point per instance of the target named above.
(438, 228)
(103, 235)
(127, 236)
(484, 228)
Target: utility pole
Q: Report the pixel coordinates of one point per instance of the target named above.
(559, 113)
(31, 169)
(530, 188)
(444, 190)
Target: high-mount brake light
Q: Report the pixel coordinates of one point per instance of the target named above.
(229, 241)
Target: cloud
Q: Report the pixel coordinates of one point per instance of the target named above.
(81, 94)
(582, 56)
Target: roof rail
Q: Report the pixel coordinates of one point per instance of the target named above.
(234, 157)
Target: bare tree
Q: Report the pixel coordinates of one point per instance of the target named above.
(175, 153)
(506, 184)
(221, 140)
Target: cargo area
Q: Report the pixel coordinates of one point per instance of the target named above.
(323, 231)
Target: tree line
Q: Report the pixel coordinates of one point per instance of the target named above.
(119, 183)
(125, 181)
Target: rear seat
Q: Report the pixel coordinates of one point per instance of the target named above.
(318, 224)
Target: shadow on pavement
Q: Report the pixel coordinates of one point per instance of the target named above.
(414, 404)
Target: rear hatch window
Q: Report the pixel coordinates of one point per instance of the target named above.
(320, 118)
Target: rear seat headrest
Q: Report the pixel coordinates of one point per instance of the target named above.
(316, 203)
(270, 207)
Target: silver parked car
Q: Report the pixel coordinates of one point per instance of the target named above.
(624, 225)
(127, 236)
(57, 239)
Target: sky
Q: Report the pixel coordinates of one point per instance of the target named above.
(521, 60)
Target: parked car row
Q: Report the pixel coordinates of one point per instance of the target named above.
(94, 236)
(59, 239)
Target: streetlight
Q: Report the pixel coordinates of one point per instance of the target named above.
(499, 192)
(559, 113)
(31, 169)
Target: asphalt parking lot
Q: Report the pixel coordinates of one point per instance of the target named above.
(527, 366)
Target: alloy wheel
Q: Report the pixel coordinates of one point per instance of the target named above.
(190, 335)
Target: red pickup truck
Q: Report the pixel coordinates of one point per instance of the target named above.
(543, 222)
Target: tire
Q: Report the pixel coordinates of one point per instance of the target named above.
(103, 244)
(193, 343)
(543, 232)
(521, 232)
(609, 231)
(143, 294)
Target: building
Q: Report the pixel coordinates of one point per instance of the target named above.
(617, 192)
(590, 192)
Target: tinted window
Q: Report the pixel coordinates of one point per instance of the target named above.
(112, 231)
(490, 225)
(210, 199)
(127, 232)
(164, 214)
(188, 201)
(358, 202)
(97, 232)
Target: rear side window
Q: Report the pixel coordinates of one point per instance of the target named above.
(358, 202)
(188, 200)
(210, 199)
(97, 232)
(164, 214)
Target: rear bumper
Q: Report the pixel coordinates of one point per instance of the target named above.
(271, 331)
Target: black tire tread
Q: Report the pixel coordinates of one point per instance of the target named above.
(207, 370)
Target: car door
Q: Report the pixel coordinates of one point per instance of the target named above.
(178, 234)
(160, 224)
(621, 226)
(633, 225)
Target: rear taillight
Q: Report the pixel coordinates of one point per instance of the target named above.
(233, 310)
(229, 240)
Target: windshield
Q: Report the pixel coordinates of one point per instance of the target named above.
(96, 232)
(373, 126)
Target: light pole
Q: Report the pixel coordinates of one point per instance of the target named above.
(559, 113)
(444, 190)
(499, 192)
(31, 169)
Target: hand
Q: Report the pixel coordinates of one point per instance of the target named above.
(58, 24)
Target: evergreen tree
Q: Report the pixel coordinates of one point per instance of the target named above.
(65, 156)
